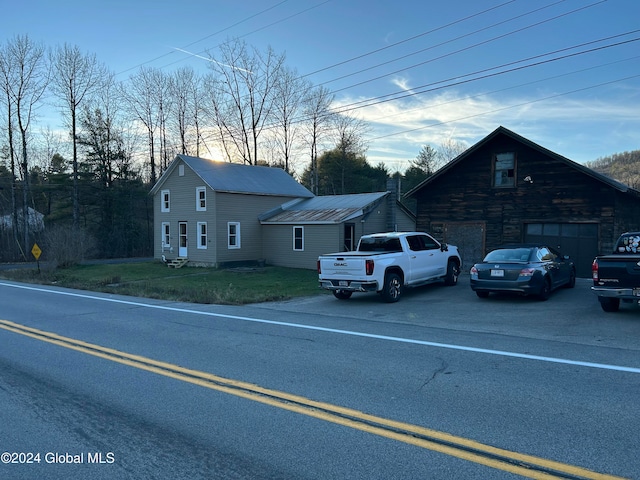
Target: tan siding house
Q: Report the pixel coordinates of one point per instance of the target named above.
(328, 224)
(207, 212)
(215, 214)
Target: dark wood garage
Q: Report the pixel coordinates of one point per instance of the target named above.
(507, 189)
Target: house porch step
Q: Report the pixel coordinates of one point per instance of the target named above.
(178, 262)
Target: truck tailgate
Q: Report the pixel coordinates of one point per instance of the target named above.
(623, 268)
(342, 266)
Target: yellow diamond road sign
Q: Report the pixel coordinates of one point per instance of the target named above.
(35, 251)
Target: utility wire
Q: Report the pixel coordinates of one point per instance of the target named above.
(402, 94)
(513, 87)
(455, 52)
(442, 27)
(522, 104)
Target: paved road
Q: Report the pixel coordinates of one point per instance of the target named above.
(543, 382)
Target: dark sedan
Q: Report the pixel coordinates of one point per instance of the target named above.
(526, 269)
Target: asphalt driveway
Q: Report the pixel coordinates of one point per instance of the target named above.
(572, 315)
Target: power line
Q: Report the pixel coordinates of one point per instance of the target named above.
(402, 94)
(469, 47)
(522, 104)
(201, 52)
(483, 94)
(412, 38)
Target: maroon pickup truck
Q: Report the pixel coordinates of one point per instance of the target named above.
(617, 276)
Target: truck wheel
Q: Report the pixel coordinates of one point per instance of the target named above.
(392, 289)
(609, 304)
(453, 270)
(342, 294)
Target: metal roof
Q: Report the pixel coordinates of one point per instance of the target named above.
(239, 178)
(324, 209)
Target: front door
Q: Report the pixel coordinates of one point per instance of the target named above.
(182, 242)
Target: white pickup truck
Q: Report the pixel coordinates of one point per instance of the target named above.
(387, 263)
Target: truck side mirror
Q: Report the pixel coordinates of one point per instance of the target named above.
(444, 247)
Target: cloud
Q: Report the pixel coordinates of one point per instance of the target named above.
(581, 127)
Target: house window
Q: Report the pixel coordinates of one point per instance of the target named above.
(233, 235)
(201, 199)
(181, 170)
(202, 235)
(504, 170)
(298, 239)
(166, 234)
(165, 201)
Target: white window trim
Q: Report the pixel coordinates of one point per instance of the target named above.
(200, 208)
(294, 239)
(200, 235)
(166, 235)
(237, 235)
(165, 206)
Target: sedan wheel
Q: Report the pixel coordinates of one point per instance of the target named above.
(545, 291)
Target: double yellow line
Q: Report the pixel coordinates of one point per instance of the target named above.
(513, 462)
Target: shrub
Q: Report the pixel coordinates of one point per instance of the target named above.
(66, 246)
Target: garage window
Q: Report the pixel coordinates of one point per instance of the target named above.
(504, 170)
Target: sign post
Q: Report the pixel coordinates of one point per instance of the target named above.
(36, 252)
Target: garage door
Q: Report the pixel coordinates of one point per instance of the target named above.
(579, 240)
(467, 236)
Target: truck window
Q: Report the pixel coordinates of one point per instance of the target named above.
(416, 243)
(380, 244)
(628, 244)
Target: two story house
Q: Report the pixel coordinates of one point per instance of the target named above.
(217, 214)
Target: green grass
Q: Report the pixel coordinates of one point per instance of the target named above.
(188, 284)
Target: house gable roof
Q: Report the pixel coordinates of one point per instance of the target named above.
(238, 178)
(328, 209)
(504, 131)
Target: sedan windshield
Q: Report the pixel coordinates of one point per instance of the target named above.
(509, 255)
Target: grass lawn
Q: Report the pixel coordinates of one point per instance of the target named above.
(188, 284)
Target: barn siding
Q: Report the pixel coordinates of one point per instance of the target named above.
(559, 193)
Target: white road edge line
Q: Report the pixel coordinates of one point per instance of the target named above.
(502, 353)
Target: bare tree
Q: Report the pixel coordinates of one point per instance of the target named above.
(140, 97)
(76, 77)
(26, 73)
(317, 123)
(241, 96)
(184, 115)
(290, 93)
(450, 149)
(348, 133)
(198, 111)
(163, 101)
(9, 73)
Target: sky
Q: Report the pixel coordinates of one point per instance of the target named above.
(563, 73)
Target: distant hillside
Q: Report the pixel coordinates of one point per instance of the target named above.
(624, 167)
